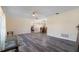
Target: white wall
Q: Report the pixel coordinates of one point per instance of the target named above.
(18, 25)
(2, 29)
(64, 23)
(22, 25)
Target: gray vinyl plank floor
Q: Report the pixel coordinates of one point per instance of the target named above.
(37, 42)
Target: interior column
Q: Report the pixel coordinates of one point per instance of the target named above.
(2, 30)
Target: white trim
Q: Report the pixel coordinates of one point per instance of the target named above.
(60, 37)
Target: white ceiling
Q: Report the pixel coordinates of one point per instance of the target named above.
(26, 11)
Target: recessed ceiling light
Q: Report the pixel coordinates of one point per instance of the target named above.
(33, 15)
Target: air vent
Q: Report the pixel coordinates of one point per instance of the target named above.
(65, 35)
(57, 13)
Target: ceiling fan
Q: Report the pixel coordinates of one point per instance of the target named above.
(36, 14)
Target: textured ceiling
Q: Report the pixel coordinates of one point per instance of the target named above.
(26, 11)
